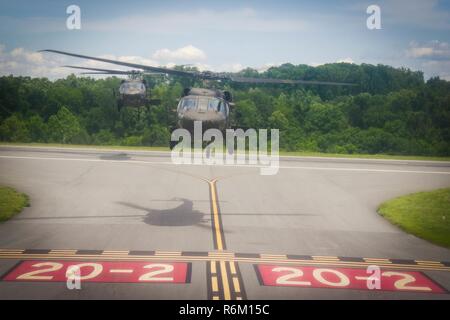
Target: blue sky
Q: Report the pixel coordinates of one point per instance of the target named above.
(226, 35)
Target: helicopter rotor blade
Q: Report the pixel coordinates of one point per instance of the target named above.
(287, 81)
(107, 71)
(205, 75)
(126, 64)
(101, 73)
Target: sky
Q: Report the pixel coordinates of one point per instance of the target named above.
(225, 35)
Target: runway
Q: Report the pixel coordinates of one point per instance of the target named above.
(219, 232)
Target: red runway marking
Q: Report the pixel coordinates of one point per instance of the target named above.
(345, 278)
(102, 271)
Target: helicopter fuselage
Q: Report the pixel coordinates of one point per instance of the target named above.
(133, 93)
(206, 105)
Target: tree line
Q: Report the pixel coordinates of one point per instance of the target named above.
(392, 111)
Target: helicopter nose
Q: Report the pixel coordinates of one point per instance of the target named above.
(202, 116)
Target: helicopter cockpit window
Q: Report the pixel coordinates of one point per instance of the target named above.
(214, 104)
(188, 104)
(132, 87)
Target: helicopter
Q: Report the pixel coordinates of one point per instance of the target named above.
(133, 92)
(210, 106)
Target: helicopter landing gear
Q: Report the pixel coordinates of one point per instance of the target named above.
(172, 144)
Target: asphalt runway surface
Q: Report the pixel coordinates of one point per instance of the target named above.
(146, 228)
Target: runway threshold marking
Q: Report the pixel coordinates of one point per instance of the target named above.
(155, 255)
(345, 278)
(224, 280)
(100, 271)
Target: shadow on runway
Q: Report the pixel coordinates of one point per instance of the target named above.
(182, 215)
(115, 156)
(144, 215)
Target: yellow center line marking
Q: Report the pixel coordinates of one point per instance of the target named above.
(226, 286)
(219, 240)
(237, 288)
(214, 284)
(213, 267)
(232, 267)
(219, 245)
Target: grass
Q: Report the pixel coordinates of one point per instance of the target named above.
(361, 156)
(11, 202)
(282, 153)
(84, 146)
(424, 214)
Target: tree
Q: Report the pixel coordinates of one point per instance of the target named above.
(37, 128)
(156, 135)
(325, 118)
(390, 110)
(247, 115)
(14, 129)
(64, 127)
(104, 137)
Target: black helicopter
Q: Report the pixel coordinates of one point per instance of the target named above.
(210, 106)
(133, 92)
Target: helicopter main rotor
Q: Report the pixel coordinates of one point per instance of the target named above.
(201, 75)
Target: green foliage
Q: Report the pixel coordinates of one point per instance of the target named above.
(156, 135)
(424, 214)
(132, 141)
(247, 114)
(14, 129)
(11, 202)
(104, 137)
(325, 118)
(37, 128)
(390, 111)
(64, 127)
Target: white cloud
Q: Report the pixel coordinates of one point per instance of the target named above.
(20, 61)
(433, 58)
(187, 53)
(433, 50)
(346, 60)
(437, 68)
(23, 62)
(267, 66)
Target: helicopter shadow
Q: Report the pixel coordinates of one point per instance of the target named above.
(115, 156)
(180, 216)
